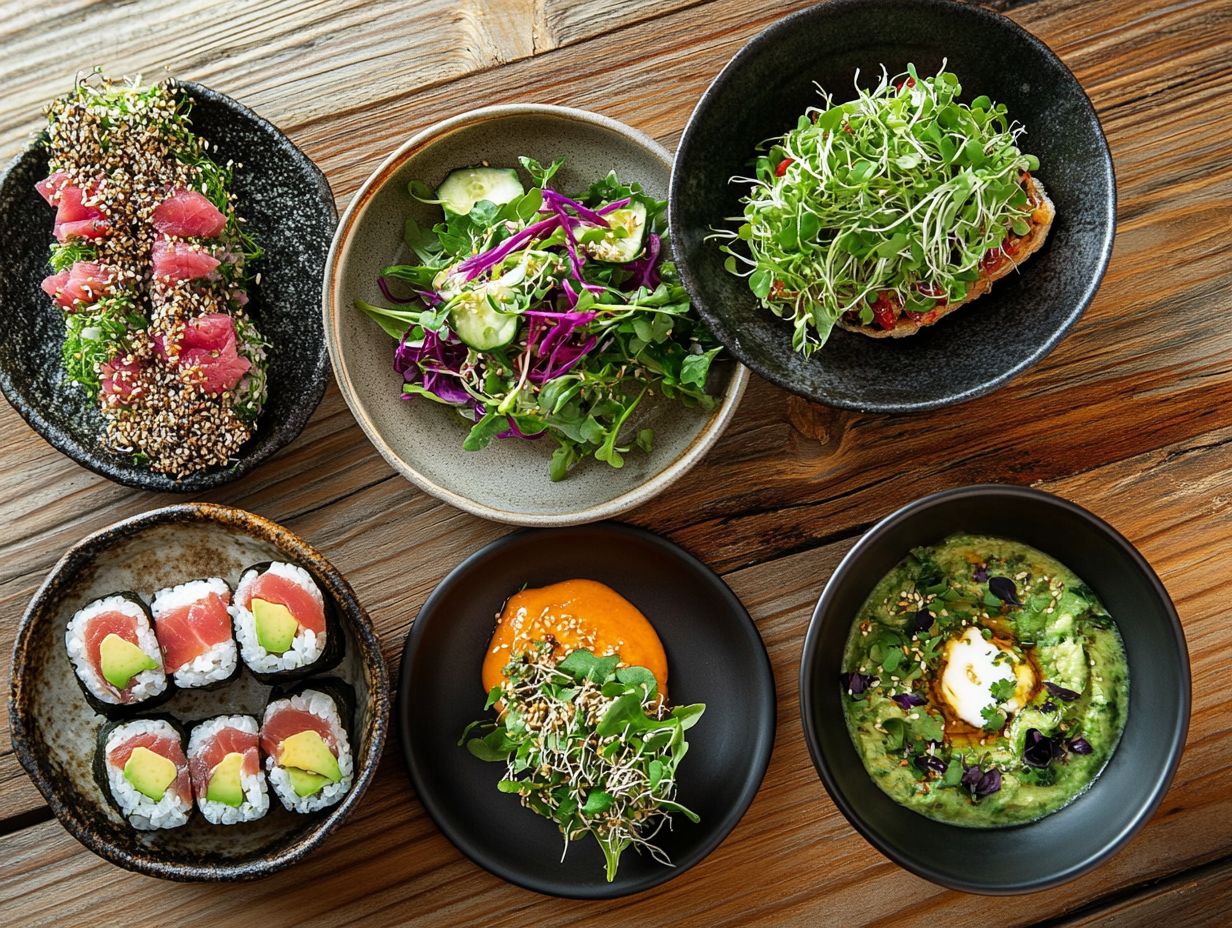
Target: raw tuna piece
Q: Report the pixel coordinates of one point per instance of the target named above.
(288, 721)
(188, 214)
(226, 741)
(74, 219)
(187, 633)
(49, 187)
(84, 282)
(99, 627)
(169, 748)
(208, 344)
(178, 261)
(119, 380)
(275, 588)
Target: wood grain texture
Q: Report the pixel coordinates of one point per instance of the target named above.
(1130, 416)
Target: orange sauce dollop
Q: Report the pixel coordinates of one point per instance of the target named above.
(575, 615)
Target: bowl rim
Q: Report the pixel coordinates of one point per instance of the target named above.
(770, 35)
(331, 308)
(96, 544)
(766, 734)
(280, 434)
(812, 643)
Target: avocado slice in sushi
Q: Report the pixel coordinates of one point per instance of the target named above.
(305, 783)
(122, 660)
(225, 784)
(307, 750)
(149, 773)
(276, 626)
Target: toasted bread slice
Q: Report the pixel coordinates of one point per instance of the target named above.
(1041, 222)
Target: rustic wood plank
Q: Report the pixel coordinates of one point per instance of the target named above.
(1195, 901)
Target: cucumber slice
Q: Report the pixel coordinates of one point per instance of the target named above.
(625, 239)
(465, 187)
(478, 324)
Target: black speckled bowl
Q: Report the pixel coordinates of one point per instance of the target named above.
(54, 730)
(1066, 844)
(761, 93)
(286, 203)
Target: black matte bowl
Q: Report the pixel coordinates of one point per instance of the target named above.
(715, 656)
(1063, 845)
(765, 88)
(286, 204)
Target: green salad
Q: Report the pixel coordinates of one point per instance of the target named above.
(538, 315)
(590, 745)
(889, 204)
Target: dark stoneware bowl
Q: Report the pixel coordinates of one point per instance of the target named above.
(286, 203)
(765, 88)
(715, 656)
(1063, 845)
(54, 730)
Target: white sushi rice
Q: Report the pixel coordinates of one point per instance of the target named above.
(142, 812)
(307, 646)
(216, 664)
(323, 706)
(143, 686)
(256, 796)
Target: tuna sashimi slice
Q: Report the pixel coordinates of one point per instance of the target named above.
(70, 208)
(169, 748)
(102, 625)
(220, 370)
(119, 380)
(49, 187)
(226, 741)
(275, 588)
(186, 633)
(81, 228)
(84, 282)
(179, 261)
(188, 214)
(53, 284)
(288, 721)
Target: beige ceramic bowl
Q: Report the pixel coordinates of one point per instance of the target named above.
(422, 440)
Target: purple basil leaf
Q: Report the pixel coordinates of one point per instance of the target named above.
(1004, 589)
(927, 762)
(909, 700)
(971, 777)
(1048, 706)
(856, 683)
(1061, 692)
(1080, 746)
(989, 783)
(1037, 750)
(922, 621)
(981, 574)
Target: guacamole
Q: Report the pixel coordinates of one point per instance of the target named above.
(983, 683)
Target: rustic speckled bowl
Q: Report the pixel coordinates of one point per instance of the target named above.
(762, 92)
(422, 440)
(54, 730)
(1067, 843)
(287, 205)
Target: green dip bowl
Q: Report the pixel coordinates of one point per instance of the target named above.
(1067, 843)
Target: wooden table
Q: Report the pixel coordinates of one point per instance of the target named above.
(1131, 417)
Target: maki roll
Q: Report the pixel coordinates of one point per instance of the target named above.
(308, 752)
(193, 624)
(141, 768)
(225, 762)
(283, 628)
(115, 654)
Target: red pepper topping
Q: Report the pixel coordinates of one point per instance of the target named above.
(883, 311)
(909, 82)
(783, 166)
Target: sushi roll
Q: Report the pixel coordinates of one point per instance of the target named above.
(193, 625)
(225, 762)
(141, 768)
(115, 655)
(283, 627)
(304, 735)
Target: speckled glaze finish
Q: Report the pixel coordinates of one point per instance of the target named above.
(54, 730)
(1066, 844)
(286, 203)
(507, 481)
(762, 92)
